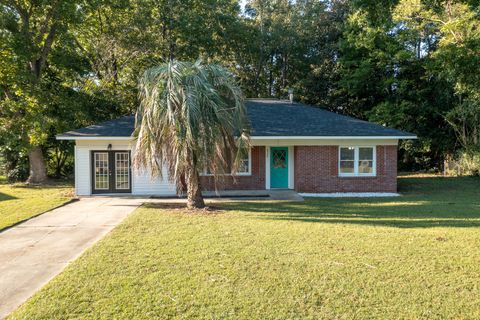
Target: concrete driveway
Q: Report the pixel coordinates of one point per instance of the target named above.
(35, 251)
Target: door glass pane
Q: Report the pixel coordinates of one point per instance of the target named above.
(279, 159)
(101, 170)
(122, 170)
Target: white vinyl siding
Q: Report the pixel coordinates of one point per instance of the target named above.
(82, 171)
(142, 183)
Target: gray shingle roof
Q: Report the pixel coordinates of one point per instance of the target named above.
(268, 118)
(282, 118)
(121, 127)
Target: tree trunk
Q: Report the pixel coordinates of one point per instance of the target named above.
(194, 192)
(38, 168)
(183, 183)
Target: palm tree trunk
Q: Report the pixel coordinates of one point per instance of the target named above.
(38, 168)
(194, 191)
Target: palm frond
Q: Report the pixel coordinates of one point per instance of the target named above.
(190, 115)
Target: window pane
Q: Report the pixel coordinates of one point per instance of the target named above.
(243, 168)
(347, 166)
(365, 166)
(365, 153)
(347, 153)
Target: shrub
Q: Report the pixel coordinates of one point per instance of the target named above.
(466, 164)
(469, 164)
(17, 174)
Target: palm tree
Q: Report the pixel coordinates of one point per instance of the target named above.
(191, 118)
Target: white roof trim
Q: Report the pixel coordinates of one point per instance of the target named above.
(331, 137)
(91, 138)
(60, 137)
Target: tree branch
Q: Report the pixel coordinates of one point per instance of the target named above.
(21, 11)
(49, 16)
(40, 62)
(24, 16)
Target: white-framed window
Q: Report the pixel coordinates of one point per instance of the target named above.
(244, 168)
(357, 161)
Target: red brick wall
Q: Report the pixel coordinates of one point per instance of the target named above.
(256, 181)
(316, 171)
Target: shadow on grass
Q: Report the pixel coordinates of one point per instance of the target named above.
(376, 213)
(179, 207)
(50, 185)
(427, 202)
(4, 197)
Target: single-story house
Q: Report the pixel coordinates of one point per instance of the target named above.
(294, 146)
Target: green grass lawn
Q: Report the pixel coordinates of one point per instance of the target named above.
(19, 201)
(417, 256)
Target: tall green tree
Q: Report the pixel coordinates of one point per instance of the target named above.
(293, 45)
(409, 64)
(456, 61)
(48, 83)
(191, 118)
(122, 38)
(392, 71)
(30, 31)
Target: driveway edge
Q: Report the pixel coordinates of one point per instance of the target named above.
(38, 214)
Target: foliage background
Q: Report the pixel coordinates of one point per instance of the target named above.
(408, 64)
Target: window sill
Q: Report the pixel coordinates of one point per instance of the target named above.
(228, 175)
(357, 175)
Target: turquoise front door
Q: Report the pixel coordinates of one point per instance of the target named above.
(278, 167)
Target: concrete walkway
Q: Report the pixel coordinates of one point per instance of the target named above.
(35, 251)
(246, 195)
